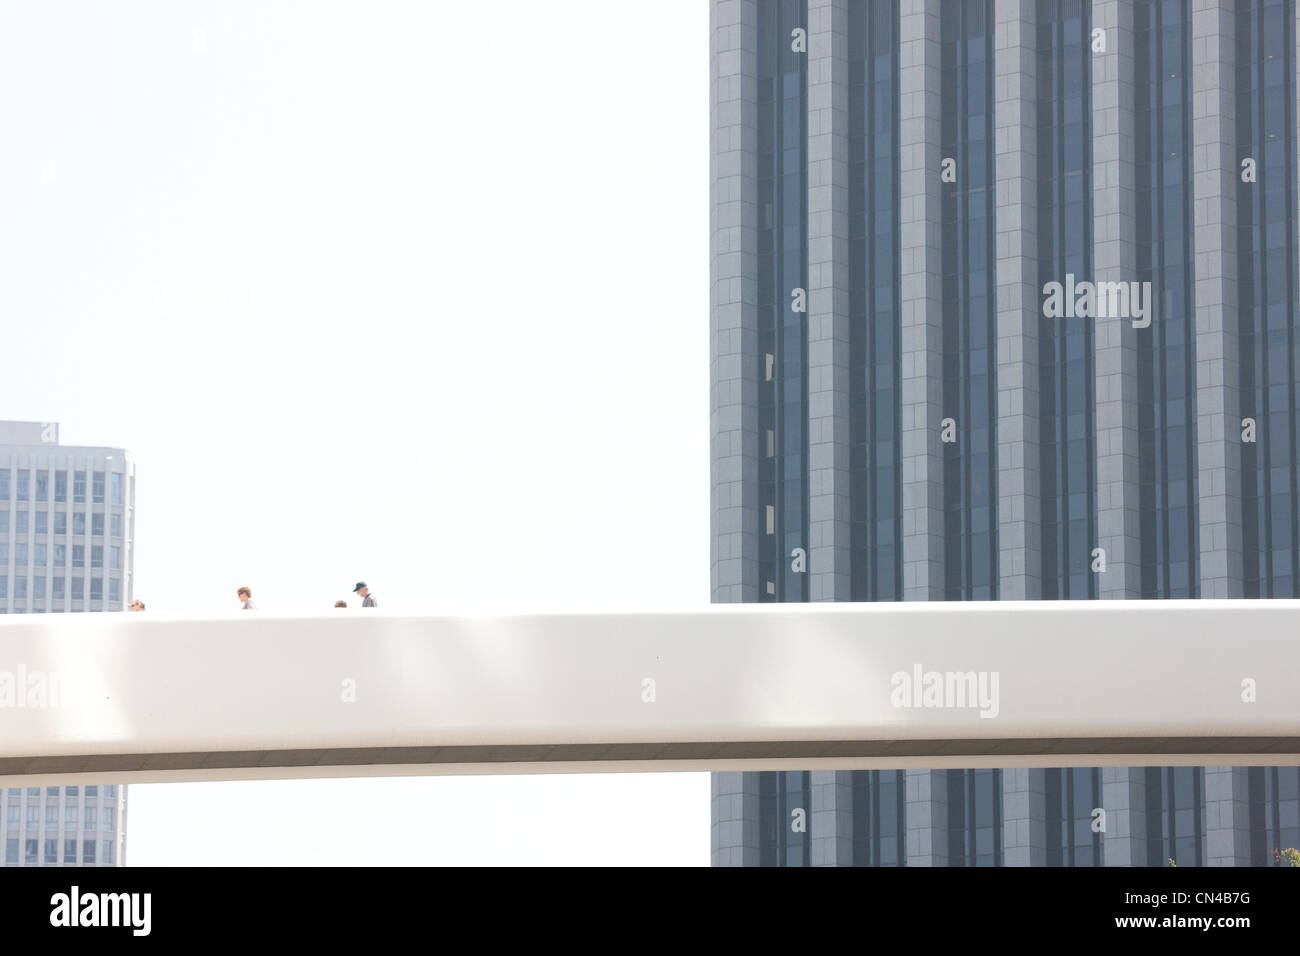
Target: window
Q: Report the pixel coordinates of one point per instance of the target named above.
(51, 791)
(33, 816)
(78, 523)
(33, 851)
(72, 791)
(38, 586)
(88, 852)
(4, 585)
(79, 487)
(43, 485)
(109, 819)
(97, 525)
(20, 554)
(60, 555)
(4, 484)
(20, 522)
(98, 488)
(51, 852)
(4, 520)
(115, 557)
(78, 555)
(92, 790)
(96, 555)
(58, 587)
(11, 850)
(110, 791)
(69, 851)
(78, 588)
(115, 525)
(60, 522)
(20, 587)
(97, 589)
(70, 816)
(24, 485)
(114, 589)
(13, 816)
(43, 522)
(90, 816)
(52, 816)
(115, 488)
(108, 852)
(41, 555)
(60, 486)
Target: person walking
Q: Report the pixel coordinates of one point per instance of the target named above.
(367, 599)
(246, 598)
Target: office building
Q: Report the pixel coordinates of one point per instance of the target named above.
(1003, 306)
(67, 519)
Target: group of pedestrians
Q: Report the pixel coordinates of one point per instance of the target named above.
(245, 596)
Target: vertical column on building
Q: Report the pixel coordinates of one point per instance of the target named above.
(1115, 260)
(1215, 183)
(1020, 559)
(1123, 797)
(829, 474)
(1227, 817)
(733, 373)
(733, 297)
(921, 385)
(922, 299)
(927, 817)
(830, 824)
(1024, 817)
(734, 833)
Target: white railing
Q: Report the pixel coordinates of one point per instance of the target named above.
(136, 697)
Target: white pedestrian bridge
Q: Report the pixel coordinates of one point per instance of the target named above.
(144, 697)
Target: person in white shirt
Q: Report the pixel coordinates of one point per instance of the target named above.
(367, 599)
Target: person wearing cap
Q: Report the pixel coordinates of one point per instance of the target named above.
(367, 599)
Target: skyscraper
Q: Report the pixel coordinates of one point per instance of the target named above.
(67, 519)
(1003, 306)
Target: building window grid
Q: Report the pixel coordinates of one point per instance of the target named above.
(1067, 417)
(1267, 297)
(969, 301)
(874, 287)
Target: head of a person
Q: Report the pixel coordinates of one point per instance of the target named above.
(340, 603)
(137, 605)
(244, 594)
(361, 589)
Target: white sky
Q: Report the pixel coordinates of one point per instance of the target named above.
(414, 292)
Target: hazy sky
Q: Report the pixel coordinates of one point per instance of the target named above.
(414, 292)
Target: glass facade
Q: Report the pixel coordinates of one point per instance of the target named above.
(1072, 794)
(784, 811)
(879, 818)
(783, 361)
(1066, 396)
(953, 66)
(783, 269)
(1267, 302)
(1175, 816)
(1166, 350)
(1274, 813)
(974, 817)
(875, 405)
(969, 302)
